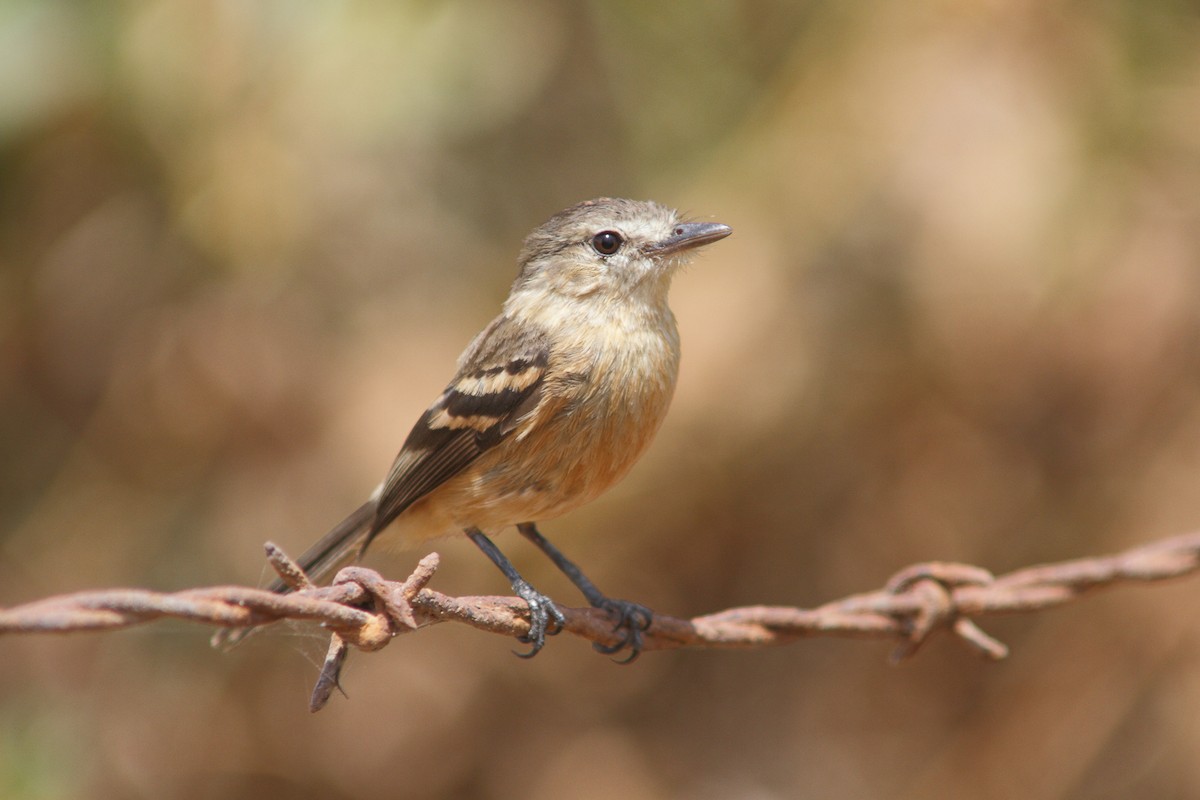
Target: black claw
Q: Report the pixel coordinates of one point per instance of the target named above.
(632, 619)
(544, 619)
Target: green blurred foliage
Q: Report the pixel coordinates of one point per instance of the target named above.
(242, 243)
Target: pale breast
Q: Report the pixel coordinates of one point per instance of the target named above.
(597, 416)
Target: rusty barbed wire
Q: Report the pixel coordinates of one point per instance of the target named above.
(364, 610)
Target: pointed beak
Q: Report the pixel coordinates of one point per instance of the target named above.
(687, 235)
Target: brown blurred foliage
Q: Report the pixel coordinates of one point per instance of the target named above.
(242, 243)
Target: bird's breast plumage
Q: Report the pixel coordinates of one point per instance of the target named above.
(606, 393)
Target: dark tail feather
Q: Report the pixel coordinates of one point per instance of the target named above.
(333, 551)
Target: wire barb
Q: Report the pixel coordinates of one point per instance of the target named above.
(362, 609)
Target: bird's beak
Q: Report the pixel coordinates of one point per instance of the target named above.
(687, 235)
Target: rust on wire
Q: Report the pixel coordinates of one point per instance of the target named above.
(364, 610)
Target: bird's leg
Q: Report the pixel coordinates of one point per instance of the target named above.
(631, 618)
(542, 610)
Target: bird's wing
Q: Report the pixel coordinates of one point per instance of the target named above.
(499, 385)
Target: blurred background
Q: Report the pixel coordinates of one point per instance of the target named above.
(242, 243)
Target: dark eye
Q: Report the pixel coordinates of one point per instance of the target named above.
(607, 242)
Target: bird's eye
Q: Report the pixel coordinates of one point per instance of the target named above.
(607, 242)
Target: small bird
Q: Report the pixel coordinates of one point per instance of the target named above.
(551, 405)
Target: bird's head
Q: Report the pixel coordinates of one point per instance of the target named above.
(610, 249)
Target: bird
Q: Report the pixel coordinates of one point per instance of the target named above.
(551, 404)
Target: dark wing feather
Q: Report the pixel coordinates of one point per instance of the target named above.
(496, 387)
(499, 382)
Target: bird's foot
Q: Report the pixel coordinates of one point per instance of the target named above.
(632, 619)
(544, 618)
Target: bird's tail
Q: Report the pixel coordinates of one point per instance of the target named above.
(333, 551)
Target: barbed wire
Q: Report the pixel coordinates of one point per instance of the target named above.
(362, 609)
